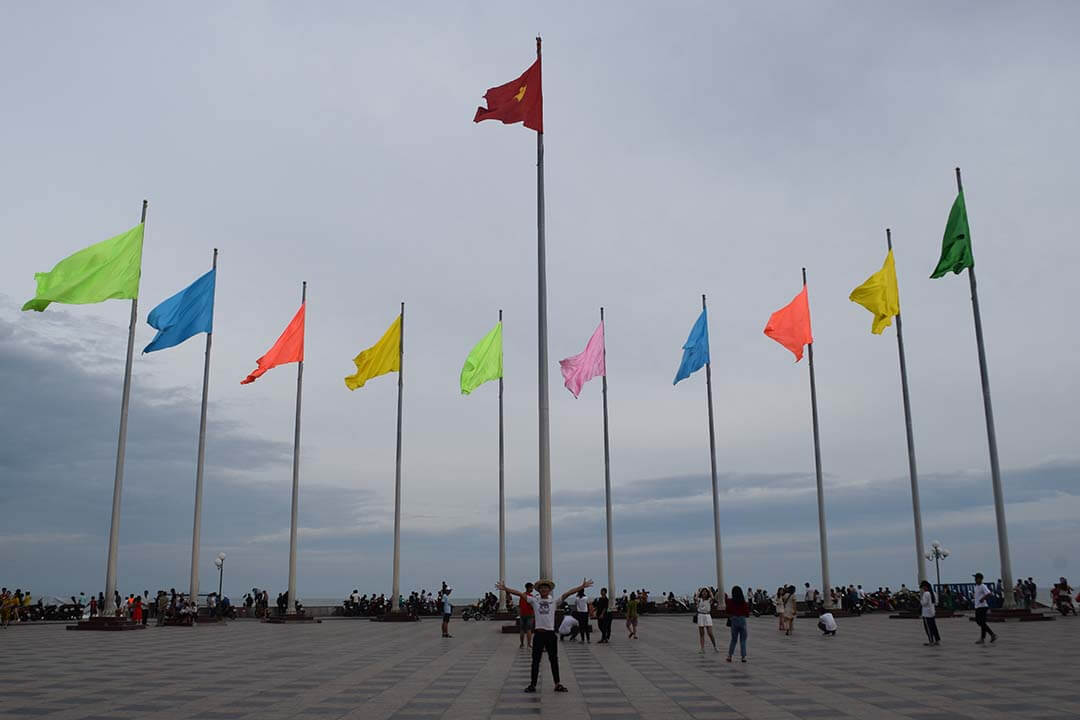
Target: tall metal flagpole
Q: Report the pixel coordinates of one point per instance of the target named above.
(826, 586)
(607, 475)
(991, 438)
(546, 570)
(395, 606)
(916, 507)
(121, 447)
(502, 490)
(296, 469)
(715, 488)
(196, 531)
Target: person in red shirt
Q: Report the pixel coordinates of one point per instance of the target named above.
(136, 610)
(526, 618)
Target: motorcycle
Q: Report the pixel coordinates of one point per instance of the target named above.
(475, 613)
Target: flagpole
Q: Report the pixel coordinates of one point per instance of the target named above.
(607, 475)
(196, 531)
(715, 488)
(394, 604)
(991, 438)
(916, 506)
(826, 586)
(296, 468)
(502, 489)
(121, 447)
(546, 570)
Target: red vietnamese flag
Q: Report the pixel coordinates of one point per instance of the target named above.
(518, 101)
(790, 325)
(289, 348)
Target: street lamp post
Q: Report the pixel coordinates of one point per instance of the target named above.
(219, 563)
(937, 553)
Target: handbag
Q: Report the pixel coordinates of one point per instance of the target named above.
(728, 623)
(693, 618)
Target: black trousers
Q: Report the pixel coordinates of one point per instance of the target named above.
(583, 625)
(980, 619)
(549, 641)
(605, 627)
(930, 626)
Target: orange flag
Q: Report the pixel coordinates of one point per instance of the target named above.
(289, 348)
(790, 325)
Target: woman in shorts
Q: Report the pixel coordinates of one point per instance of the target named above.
(704, 619)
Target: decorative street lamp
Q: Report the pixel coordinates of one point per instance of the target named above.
(219, 563)
(937, 554)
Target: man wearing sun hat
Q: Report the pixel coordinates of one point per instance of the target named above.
(544, 636)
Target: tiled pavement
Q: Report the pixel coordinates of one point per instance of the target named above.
(354, 669)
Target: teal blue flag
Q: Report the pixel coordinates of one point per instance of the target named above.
(696, 349)
(188, 312)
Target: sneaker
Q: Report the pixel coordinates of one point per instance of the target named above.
(715, 649)
(744, 659)
(980, 642)
(729, 658)
(993, 638)
(701, 651)
(561, 688)
(928, 644)
(530, 689)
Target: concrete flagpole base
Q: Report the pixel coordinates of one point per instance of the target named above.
(290, 619)
(400, 616)
(107, 623)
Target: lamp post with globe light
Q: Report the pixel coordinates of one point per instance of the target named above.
(937, 553)
(219, 563)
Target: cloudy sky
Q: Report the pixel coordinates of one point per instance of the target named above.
(690, 148)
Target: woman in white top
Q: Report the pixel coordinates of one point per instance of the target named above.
(929, 620)
(704, 618)
(581, 614)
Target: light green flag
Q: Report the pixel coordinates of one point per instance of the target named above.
(106, 270)
(484, 362)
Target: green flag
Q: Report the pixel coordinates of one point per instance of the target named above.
(106, 270)
(956, 246)
(484, 362)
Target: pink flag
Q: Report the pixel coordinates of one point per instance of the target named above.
(580, 369)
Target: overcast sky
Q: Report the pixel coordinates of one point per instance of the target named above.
(690, 148)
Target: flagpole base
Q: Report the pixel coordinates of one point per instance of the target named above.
(107, 623)
(399, 616)
(290, 619)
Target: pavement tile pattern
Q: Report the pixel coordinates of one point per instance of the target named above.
(351, 669)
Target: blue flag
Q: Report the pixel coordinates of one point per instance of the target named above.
(188, 312)
(696, 350)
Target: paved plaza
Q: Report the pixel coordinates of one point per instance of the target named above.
(874, 668)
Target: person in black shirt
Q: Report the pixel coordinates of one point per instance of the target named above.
(602, 606)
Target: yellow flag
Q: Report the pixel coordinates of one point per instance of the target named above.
(381, 358)
(880, 295)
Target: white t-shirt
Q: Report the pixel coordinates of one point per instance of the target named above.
(447, 608)
(544, 609)
(581, 604)
(981, 593)
(704, 607)
(809, 595)
(927, 603)
(829, 621)
(569, 622)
